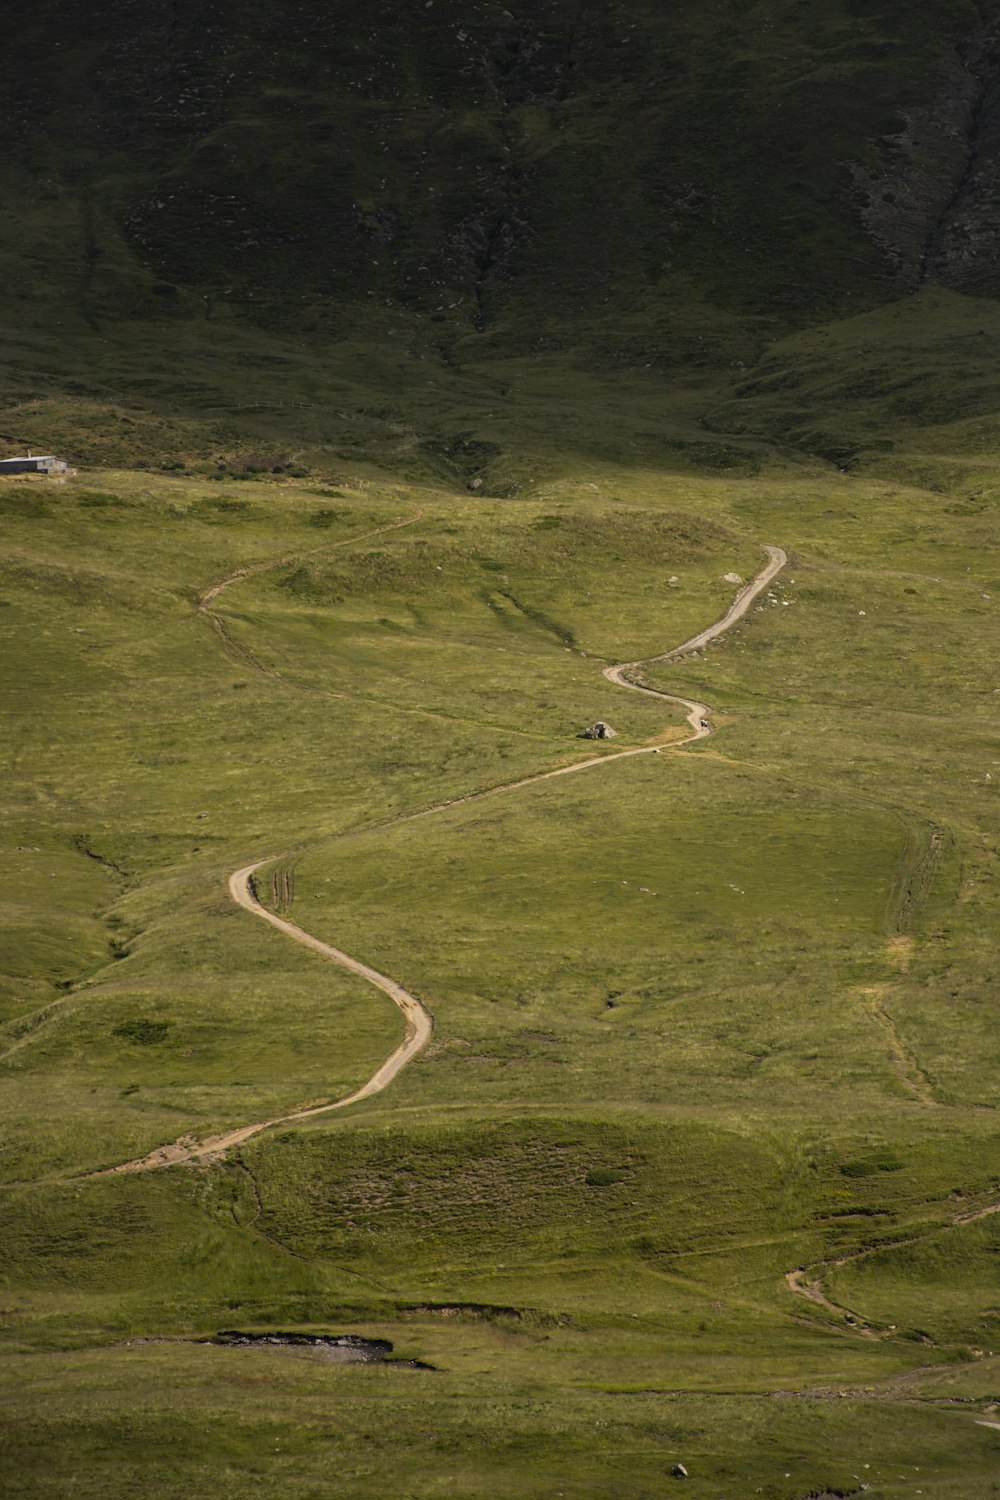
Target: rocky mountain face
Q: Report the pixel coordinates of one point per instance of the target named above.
(644, 184)
(963, 250)
(928, 190)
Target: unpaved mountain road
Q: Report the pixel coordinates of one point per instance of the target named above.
(698, 712)
(419, 1024)
(418, 1033)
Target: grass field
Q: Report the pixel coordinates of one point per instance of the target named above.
(702, 1019)
(419, 363)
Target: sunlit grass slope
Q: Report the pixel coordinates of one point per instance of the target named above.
(702, 1018)
(272, 1425)
(163, 745)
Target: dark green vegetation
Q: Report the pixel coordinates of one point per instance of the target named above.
(287, 233)
(701, 1163)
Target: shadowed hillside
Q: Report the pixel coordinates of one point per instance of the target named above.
(221, 201)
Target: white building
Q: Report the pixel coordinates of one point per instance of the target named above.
(32, 465)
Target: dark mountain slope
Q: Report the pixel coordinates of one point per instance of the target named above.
(645, 185)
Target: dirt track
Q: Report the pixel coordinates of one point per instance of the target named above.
(698, 712)
(205, 601)
(419, 1023)
(799, 1281)
(418, 1032)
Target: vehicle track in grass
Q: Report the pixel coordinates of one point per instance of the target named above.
(234, 648)
(807, 1282)
(418, 1021)
(245, 656)
(215, 590)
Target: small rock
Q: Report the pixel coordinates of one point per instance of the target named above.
(673, 582)
(732, 578)
(679, 1472)
(598, 731)
(475, 484)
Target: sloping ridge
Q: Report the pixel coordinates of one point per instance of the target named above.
(419, 1023)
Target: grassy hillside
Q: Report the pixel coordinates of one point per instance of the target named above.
(701, 1019)
(420, 362)
(273, 234)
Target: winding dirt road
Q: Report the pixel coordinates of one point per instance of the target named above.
(698, 712)
(419, 1024)
(418, 1033)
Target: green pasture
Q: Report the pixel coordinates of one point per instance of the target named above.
(702, 1017)
(475, 345)
(574, 939)
(263, 1423)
